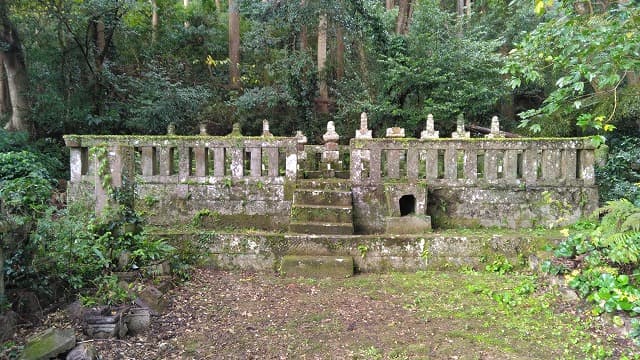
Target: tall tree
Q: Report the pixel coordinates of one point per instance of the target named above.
(155, 20)
(12, 58)
(323, 87)
(234, 45)
(405, 9)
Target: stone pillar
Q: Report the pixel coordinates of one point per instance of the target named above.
(471, 164)
(121, 168)
(363, 132)
(237, 165)
(495, 129)
(256, 161)
(460, 133)
(272, 156)
(431, 159)
(510, 165)
(569, 164)
(218, 162)
(146, 160)
(203, 129)
(429, 132)
(413, 159)
(451, 163)
(75, 158)
(184, 163)
(265, 129)
(201, 161)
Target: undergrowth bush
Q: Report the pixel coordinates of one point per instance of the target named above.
(600, 258)
(620, 176)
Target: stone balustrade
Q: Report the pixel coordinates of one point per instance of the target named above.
(471, 162)
(194, 159)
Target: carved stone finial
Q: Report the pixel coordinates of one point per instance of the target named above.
(429, 132)
(331, 136)
(171, 129)
(203, 129)
(300, 137)
(235, 130)
(495, 128)
(460, 133)
(363, 132)
(265, 128)
(395, 132)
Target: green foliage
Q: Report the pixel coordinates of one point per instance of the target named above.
(604, 256)
(620, 176)
(583, 56)
(25, 185)
(501, 265)
(108, 292)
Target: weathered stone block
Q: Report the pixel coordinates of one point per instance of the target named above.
(317, 266)
(408, 225)
(49, 344)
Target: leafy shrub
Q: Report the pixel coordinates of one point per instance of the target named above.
(620, 176)
(599, 259)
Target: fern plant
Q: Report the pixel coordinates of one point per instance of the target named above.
(619, 231)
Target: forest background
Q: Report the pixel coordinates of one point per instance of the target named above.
(545, 67)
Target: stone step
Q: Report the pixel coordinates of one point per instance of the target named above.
(324, 184)
(322, 197)
(317, 266)
(321, 228)
(325, 213)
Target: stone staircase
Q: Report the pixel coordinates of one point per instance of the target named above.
(322, 207)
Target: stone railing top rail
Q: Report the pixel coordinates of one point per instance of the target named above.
(479, 143)
(177, 140)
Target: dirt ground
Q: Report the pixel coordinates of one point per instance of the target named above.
(240, 315)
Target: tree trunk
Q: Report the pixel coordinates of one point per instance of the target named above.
(234, 44)
(185, 4)
(154, 20)
(218, 6)
(339, 53)
(5, 106)
(460, 7)
(390, 4)
(404, 12)
(323, 101)
(99, 57)
(303, 32)
(16, 71)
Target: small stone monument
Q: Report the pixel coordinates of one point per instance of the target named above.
(235, 130)
(363, 132)
(301, 140)
(495, 129)
(429, 132)
(203, 129)
(460, 133)
(330, 153)
(395, 132)
(265, 128)
(171, 129)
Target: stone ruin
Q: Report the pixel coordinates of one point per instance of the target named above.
(252, 180)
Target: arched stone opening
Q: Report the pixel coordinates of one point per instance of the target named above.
(407, 205)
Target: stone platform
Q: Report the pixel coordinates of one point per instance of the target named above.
(371, 253)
